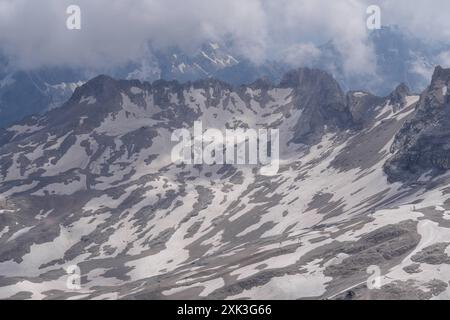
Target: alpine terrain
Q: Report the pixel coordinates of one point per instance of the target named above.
(359, 208)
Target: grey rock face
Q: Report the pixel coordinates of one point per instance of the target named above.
(362, 106)
(398, 96)
(322, 103)
(423, 144)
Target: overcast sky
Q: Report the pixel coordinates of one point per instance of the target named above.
(113, 31)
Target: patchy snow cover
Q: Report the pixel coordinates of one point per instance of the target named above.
(112, 202)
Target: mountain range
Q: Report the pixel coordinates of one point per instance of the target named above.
(362, 185)
(400, 58)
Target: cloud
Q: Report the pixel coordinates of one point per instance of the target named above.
(301, 54)
(318, 21)
(116, 31)
(444, 59)
(424, 18)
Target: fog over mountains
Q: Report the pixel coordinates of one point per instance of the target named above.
(399, 58)
(363, 181)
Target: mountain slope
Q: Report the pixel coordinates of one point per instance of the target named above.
(422, 147)
(92, 184)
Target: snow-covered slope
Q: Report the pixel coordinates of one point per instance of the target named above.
(92, 184)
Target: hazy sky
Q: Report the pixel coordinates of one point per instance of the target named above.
(113, 31)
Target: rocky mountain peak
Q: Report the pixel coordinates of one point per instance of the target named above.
(321, 100)
(309, 78)
(440, 74)
(437, 92)
(362, 106)
(102, 88)
(397, 98)
(422, 145)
